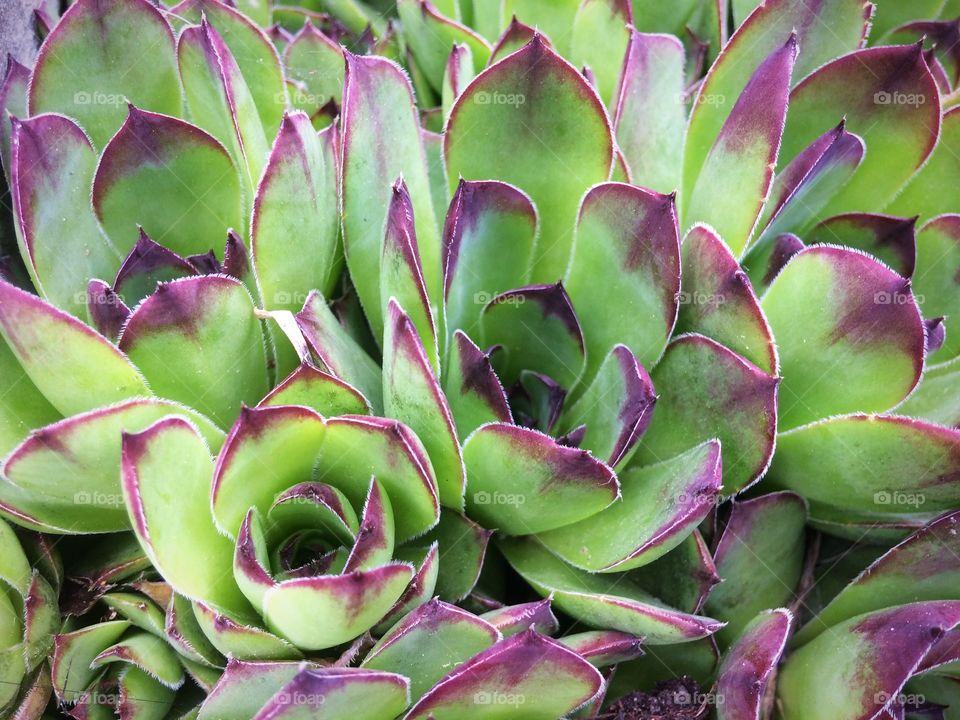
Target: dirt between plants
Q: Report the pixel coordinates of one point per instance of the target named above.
(675, 699)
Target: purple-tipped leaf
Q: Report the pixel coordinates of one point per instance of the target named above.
(472, 388)
(890, 239)
(611, 20)
(463, 546)
(936, 277)
(514, 619)
(106, 309)
(431, 36)
(145, 265)
(309, 386)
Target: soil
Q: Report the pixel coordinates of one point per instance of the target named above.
(674, 699)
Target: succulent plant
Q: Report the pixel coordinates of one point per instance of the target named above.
(482, 360)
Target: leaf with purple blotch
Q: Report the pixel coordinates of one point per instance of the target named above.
(13, 103)
(488, 240)
(683, 578)
(937, 278)
(431, 36)
(616, 408)
(521, 481)
(890, 99)
(875, 463)
(426, 562)
(891, 16)
(554, 19)
(95, 40)
(312, 387)
(553, 137)
(463, 547)
(629, 237)
(759, 557)
(84, 451)
(610, 20)
(145, 265)
(51, 167)
(513, 37)
(173, 163)
(457, 74)
(823, 33)
(73, 652)
(538, 330)
(165, 474)
(537, 400)
(412, 394)
(241, 638)
(329, 693)
(923, 194)
(708, 391)
(295, 226)
(528, 671)
(750, 666)
(50, 345)
(861, 351)
(255, 55)
(515, 619)
(765, 260)
(197, 340)
(717, 300)
(661, 505)
(219, 99)
(889, 239)
(289, 434)
(925, 566)
(602, 648)
(607, 601)
(245, 687)
(148, 653)
(381, 142)
(472, 388)
(649, 113)
(743, 155)
(183, 632)
(802, 188)
(873, 656)
(937, 397)
(314, 67)
(357, 448)
(429, 640)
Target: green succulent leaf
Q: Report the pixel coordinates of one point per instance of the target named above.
(682, 578)
(457, 74)
(610, 20)
(472, 388)
(94, 62)
(707, 391)
(314, 67)
(890, 239)
(13, 103)
(245, 687)
(512, 37)
(860, 351)
(602, 648)
(514, 619)
(74, 651)
(22, 407)
(521, 481)
(313, 388)
(759, 558)
(148, 653)
(462, 547)
(174, 163)
(937, 397)
(935, 279)
(139, 610)
(235, 639)
(545, 121)
(142, 697)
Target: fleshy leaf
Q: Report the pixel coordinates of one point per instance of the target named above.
(472, 388)
(538, 330)
(198, 340)
(628, 237)
(101, 56)
(936, 277)
(234, 639)
(871, 463)
(661, 505)
(431, 36)
(147, 652)
(759, 557)
(521, 481)
(330, 693)
(528, 671)
(872, 656)
(922, 567)
(607, 601)
(147, 264)
(545, 120)
(488, 242)
(314, 65)
(434, 637)
(357, 448)
(457, 74)
(514, 37)
(890, 99)
(51, 165)
(717, 300)
(84, 452)
(381, 142)
(463, 547)
(166, 472)
(616, 408)
(245, 687)
(684, 577)
(744, 153)
(317, 390)
(22, 406)
(285, 438)
(173, 163)
(13, 103)
(604, 647)
(889, 239)
(861, 350)
(412, 395)
(751, 664)
(610, 20)
(707, 391)
(650, 116)
(937, 397)
(421, 589)
(514, 619)
(51, 345)
(922, 194)
(74, 651)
